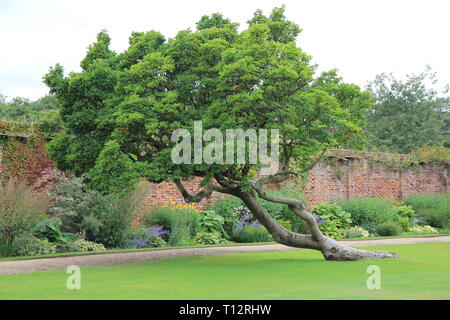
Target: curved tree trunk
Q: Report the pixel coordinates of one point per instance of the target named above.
(331, 249)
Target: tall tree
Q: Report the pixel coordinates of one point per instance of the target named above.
(125, 107)
(407, 114)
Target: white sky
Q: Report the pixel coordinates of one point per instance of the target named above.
(360, 38)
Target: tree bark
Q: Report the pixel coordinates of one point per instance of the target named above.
(331, 249)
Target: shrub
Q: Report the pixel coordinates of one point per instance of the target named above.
(50, 229)
(208, 238)
(81, 245)
(356, 232)
(157, 242)
(180, 235)
(333, 220)
(404, 223)
(368, 212)
(7, 249)
(99, 218)
(169, 218)
(210, 222)
(20, 209)
(28, 245)
(230, 209)
(285, 223)
(144, 237)
(388, 229)
(405, 211)
(252, 234)
(434, 209)
(423, 229)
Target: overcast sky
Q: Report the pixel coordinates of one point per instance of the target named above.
(360, 38)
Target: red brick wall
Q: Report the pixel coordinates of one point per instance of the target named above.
(326, 182)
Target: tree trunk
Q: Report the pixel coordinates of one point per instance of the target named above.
(331, 249)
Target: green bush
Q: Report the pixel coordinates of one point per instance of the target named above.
(208, 238)
(7, 249)
(356, 232)
(285, 223)
(157, 242)
(29, 245)
(99, 218)
(434, 209)
(20, 209)
(211, 222)
(332, 219)
(226, 209)
(369, 212)
(170, 218)
(81, 245)
(388, 229)
(404, 223)
(252, 234)
(180, 235)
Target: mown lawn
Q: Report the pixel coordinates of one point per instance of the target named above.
(422, 272)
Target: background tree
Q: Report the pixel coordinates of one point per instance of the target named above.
(126, 106)
(407, 114)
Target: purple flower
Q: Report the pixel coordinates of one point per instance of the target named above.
(319, 219)
(157, 231)
(138, 243)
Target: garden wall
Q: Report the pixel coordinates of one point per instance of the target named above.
(350, 175)
(341, 175)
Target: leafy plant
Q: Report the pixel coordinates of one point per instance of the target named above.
(252, 234)
(29, 245)
(388, 229)
(423, 229)
(211, 222)
(356, 232)
(333, 220)
(207, 238)
(20, 209)
(368, 212)
(81, 245)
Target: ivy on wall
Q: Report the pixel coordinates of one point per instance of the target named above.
(24, 159)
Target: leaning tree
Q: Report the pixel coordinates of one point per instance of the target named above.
(120, 112)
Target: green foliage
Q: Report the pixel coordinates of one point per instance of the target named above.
(407, 114)
(434, 209)
(20, 209)
(99, 218)
(80, 245)
(336, 219)
(28, 245)
(49, 228)
(127, 105)
(22, 109)
(171, 219)
(208, 238)
(368, 212)
(226, 209)
(285, 223)
(157, 242)
(252, 234)
(404, 223)
(6, 249)
(211, 222)
(356, 232)
(388, 229)
(180, 235)
(405, 211)
(113, 172)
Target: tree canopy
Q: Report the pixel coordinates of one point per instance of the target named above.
(407, 114)
(121, 109)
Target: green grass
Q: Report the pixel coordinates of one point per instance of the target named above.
(422, 272)
(443, 232)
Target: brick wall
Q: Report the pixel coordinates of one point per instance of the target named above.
(350, 178)
(350, 175)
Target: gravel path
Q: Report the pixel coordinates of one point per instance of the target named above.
(60, 263)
